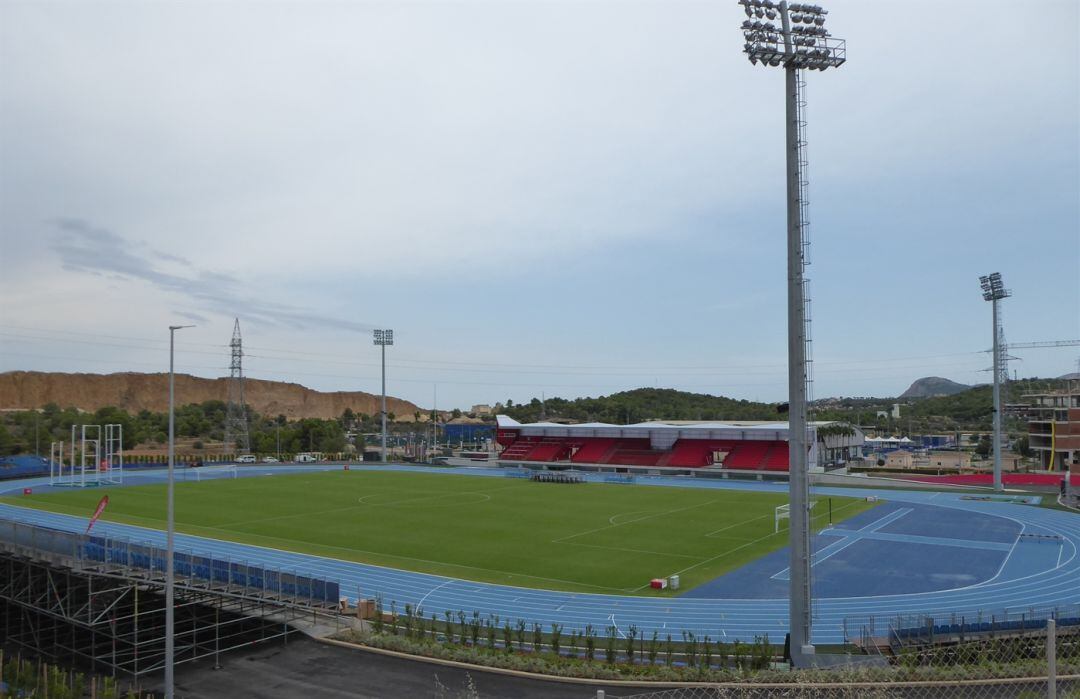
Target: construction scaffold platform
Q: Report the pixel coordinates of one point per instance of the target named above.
(100, 601)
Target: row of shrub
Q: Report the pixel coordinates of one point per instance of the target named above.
(23, 677)
(606, 653)
(613, 654)
(998, 651)
(218, 458)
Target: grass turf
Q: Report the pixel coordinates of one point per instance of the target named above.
(587, 538)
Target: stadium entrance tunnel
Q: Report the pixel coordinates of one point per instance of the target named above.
(114, 625)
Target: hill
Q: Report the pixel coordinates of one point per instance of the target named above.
(645, 404)
(133, 392)
(968, 408)
(933, 386)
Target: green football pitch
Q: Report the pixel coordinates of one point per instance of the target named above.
(591, 537)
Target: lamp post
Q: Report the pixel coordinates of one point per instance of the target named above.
(170, 624)
(994, 290)
(800, 42)
(382, 339)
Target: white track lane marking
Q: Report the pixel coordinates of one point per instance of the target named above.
(432, 591)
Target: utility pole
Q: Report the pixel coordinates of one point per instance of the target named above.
(236, 423)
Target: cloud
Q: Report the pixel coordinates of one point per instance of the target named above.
(169, 257)
(92, 249)
(557, 178)
(192, 316)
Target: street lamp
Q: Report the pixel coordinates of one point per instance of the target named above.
(170, 624)
(994, 290)
(800, 42)
(382, 339)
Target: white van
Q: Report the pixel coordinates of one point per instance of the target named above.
(246, 459)
(305, 458)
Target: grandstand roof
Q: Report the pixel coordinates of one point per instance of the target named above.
(507, 422)
(675, 429)
(665, 430)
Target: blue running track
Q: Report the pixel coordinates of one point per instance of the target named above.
(919, 553)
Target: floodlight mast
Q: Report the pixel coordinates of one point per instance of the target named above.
(384, 338)
(994, 290)
(170, 524)
(800, 42)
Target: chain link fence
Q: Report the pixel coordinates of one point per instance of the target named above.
(1012, 664)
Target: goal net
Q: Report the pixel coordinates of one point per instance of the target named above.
(209, 473)
(784, 512)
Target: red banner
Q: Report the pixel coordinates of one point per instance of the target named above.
(97, 513)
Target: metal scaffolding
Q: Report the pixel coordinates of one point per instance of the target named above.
(60, 598)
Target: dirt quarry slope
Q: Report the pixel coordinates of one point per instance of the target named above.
(26, 390)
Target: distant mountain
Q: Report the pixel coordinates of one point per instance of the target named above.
(1075, 376)
(29, 390)
(929, 386)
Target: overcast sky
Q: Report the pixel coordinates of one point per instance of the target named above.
(572, 198)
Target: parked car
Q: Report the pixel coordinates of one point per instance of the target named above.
(246, 459)
(305, 458)
(269, 460)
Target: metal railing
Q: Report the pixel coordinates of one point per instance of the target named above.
(145, 561)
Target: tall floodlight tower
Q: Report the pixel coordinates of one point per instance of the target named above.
(170, 524)
(382, 339)
(236, 424)
(993, 291)
(800, 42)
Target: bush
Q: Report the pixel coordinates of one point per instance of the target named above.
(971, 661)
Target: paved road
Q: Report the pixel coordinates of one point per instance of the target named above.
(307, 669)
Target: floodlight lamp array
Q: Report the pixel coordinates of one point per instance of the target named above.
(993, 287)
(384, 337)
(804, 44)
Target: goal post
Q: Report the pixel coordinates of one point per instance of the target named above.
(784, 512)
(206, 473)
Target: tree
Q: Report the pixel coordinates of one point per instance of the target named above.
(1023, 446)
(984, 447)
(8, 444)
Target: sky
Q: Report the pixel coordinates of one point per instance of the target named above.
(538, 197)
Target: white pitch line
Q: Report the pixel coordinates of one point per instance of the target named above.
(616, 627)
(616, 548)
(432, 591)
(640, 519)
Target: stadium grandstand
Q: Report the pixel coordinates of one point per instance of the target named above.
(739, 445)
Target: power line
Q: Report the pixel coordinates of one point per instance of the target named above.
(490, 367)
